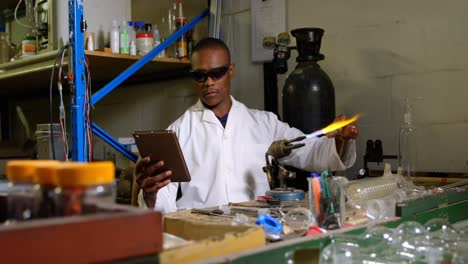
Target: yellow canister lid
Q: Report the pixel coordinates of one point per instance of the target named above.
(25, 170)
(47, 173)
(85, 174)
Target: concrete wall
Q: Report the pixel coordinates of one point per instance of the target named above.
(378, 53)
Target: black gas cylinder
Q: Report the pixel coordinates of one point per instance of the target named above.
(308, 93)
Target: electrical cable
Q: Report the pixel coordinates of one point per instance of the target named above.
(88, 92)
(62, 50)
(62, 115)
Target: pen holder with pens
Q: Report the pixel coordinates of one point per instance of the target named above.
(326, 200)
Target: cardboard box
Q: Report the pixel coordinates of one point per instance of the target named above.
(212, 236)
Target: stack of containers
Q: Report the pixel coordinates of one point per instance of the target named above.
(46, 188)
(24, 194)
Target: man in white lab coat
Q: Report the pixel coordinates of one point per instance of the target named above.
(224, 143)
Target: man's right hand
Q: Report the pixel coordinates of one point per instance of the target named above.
(150, 182)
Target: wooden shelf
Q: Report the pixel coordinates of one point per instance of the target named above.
(29, 75)
(32, 75)
(110, 65)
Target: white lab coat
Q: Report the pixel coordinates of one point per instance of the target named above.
(226, 163)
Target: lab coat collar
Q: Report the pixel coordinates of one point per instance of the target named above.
(209, 116)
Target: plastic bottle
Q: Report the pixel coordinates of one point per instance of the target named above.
(131, 32)
(115, 37)
(407, 142)
(29, 46)
(90, 43)
(23, 194)
(133, 49)
(123, 40)
(86, 187)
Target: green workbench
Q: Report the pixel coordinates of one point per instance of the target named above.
(451, 204)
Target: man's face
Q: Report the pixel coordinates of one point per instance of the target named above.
(213, 93)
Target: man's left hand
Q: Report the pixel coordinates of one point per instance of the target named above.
(343, 135)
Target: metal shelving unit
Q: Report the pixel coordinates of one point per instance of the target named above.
(77, 85)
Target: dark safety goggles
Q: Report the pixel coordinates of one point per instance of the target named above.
(215, 73)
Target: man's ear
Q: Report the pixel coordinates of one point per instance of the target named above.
(232, 70)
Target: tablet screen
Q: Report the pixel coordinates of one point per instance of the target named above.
(163, 145)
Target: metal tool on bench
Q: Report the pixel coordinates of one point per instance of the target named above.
(216, 212)
(276, 172)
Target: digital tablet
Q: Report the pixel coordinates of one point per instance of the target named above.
(163, 145)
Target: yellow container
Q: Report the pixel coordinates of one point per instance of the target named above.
(24, 196)
(85, 186)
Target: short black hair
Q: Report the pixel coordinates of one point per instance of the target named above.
(212, 43)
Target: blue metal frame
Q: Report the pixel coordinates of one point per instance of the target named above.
(114, 143)
(77, 85)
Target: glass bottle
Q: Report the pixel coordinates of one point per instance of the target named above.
(407, 142)
(131, 32)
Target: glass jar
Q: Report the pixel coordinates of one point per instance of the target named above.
(46, 177)
(86, 187)
(144, 43)
(28, 46)
(23, 194)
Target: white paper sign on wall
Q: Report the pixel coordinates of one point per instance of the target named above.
(268, 19)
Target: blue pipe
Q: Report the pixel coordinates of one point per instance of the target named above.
(145, 59)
